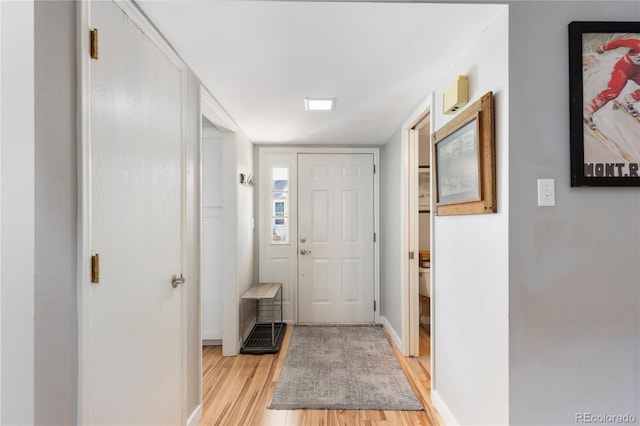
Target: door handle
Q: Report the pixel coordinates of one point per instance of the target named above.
(303, 252)
(177, 280)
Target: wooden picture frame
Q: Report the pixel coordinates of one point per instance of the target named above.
(605, 134)
(464, 169)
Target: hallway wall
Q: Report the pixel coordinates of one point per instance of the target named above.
(17, 213)
(391, 174)
(56, 321)
(238, 235)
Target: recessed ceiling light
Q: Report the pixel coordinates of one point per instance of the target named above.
(319, 104)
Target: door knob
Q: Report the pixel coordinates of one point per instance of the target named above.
(177, 280)
(305, 252)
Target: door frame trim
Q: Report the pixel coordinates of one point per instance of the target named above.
(410, 287)
(213, 111)
(83, 9)
(298, 149)
(414, 228)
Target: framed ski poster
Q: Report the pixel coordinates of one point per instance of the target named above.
(604, 83)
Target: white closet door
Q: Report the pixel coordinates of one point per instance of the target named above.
(134, 328)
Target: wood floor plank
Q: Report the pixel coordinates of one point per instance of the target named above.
(237, 391)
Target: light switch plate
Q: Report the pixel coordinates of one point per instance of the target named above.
(546, 192)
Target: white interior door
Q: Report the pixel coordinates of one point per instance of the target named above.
(335, 238)
(134, 329)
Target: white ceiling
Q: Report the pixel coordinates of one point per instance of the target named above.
(260, 59)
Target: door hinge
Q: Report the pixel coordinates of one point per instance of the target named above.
(374, 237)
(411, 255)
(374, 169)
(95, 268)
(374, 306)
(94, 43)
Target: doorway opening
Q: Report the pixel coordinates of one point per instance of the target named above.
(215, 300)
(211, 220)
(419, 238)
(421, 138)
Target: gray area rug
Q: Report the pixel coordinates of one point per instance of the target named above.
(349, 368)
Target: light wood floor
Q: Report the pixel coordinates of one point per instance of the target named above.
(237, 390)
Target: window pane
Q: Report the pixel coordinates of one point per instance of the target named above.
(280, 233)
(280, 177)
(280, 207)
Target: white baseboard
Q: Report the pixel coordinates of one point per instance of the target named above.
(446, 414)
(394, 336)
(195, 417)
(211, 335)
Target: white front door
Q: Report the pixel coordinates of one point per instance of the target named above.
(132, 366)
(335, 238)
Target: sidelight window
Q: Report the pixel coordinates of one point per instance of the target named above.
(280, 205)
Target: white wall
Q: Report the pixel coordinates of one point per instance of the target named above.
(392, 170)
(245, 213)
(17, 215)
(238, 254)
(56, 329)
(573, 268)
(470, 261)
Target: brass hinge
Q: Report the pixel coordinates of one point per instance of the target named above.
(374, 169)
(411, 255)
(374, 237)
(95, 268)
(374, 306)
(94, 43)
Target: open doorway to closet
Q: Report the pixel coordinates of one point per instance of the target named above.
(215, 301)
(419, 237)
(420, 240)
(423, 130)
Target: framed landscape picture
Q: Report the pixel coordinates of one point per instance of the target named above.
(604, 71)
(464, 153)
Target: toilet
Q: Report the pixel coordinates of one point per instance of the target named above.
(424, 281)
